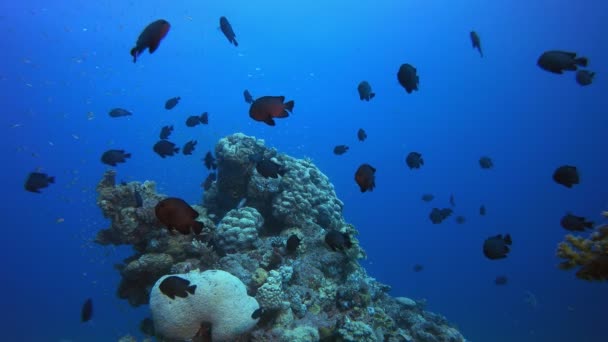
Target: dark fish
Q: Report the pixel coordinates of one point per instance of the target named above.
(172, 102)
(178, 215)
(340, 149)
(486, 162)
(584, 77)
(203, 334)
(482, 210)
(476, 42)
(269, 169)
(165, 132)
(365, 176)
(209, 181)
(501, 280)
(257, 313)
(139, 202)
(112, 157)
(427, 197)
(227, 31)
(204, 118)
(118, 112)
(86, 313)
(575, 223)
(566, 175)
(210, 161)
(146, 326)
(36, 181)
(150, 38)
(365, 91)
(337, 240)
(418, 268)
(266, 108)
(292, 244)
(165, 148)
(438, 215)
(497, 247)
(248, 97)
(558, 61)
(189, 147)
(408, 78)
(460, 219)
(596, 269)
(193, 120)
(452, 201)
(361, 135)
(414, 160)
(174, 286)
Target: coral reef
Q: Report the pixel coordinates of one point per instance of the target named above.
(589, 254)
(310, 292)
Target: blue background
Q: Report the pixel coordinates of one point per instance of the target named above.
(62, 60)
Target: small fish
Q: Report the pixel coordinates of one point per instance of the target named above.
(204, 118)
(361, 135)
(178, 215)
(337, 240)
(584, 77)
(559, 61)
(418, 268)
(365, 177)
(37, 180)
(408, 78)
(118, 112)
(139, 202)
(174, 286)
(165, 148)
(269, 169)
(292, 244)
(197, 120)
(165, 132)
(248, 97)
(501, 280)
(414, 160)
(476, 42)
(86, 313)
(365, 91)
(267, 108)
(227, 31)
(575, 223)
(172, 102)
(113, 157)
(566, 175)
(257, 313)
(210, 161)
(150, 38)
(438, 215)
(460, 219)
(452, 202)
(485, 162)
(340, 149)
(428, 197)
(189, 147)
(482, 210)
(497, 247)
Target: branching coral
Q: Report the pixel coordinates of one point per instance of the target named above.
(590, 254)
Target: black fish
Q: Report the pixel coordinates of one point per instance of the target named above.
(150, 38)
(269, 169)
(189, 147)
(452, 201)
(427, 197)
(86, 313)
(165, 132)
(501, 280)
(266, 108)
(292, 243)
(139, 202)
(227, 31)
(146, 326)
(112, 157)
(174, 286)
(460, 219)
(337, 240)
(566, 175)
(340, 149)
(438, 215)
(197, 120)
(584, 77)
(418, 268)
(365, 177)
(210, 161)
(365, 91)
(497, 247)
(248, 97)
(204, 118)
(486, 162)
(482, 210)
(172, 102)
(558, 61)
(118, 112)
(257, 313)
(209, 181)
(414, 160)
(476, 42)
(361, 135)
(408, 78)
(575, 223)
(165, 148)
(36, 181)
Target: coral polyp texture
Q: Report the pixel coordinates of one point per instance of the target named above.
(589, 255)
(310, 293)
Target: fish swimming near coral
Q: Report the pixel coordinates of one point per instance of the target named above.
(575, 223)
(189, 147)
(267, 108)
(269, 169)
(209, 161)
(174, 286)
(178, 215)
(365, 177)
(337, 241)
(113, 157)
(37, 180)
(340, 149)
(165, 148)
(292, 244)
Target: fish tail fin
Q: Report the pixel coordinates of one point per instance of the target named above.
(372, 95)
(197, 227)
(589, 224)
(134, 54)
(582, 61)
(176, 150)
(235, 42)
(127, 155)
(480, 52)
(507, 239)
(191, 289)
(289, 105)
(51, 179)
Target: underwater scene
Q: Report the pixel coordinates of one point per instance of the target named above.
(332, 171)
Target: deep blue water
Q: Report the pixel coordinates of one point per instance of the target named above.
(62, 60)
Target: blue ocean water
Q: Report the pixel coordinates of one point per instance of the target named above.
(65, 64)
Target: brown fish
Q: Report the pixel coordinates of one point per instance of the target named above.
(176, 214)
(266, 108)
(365, 177)
(150, 38)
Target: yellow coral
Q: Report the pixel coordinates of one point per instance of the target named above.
(585, 253)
